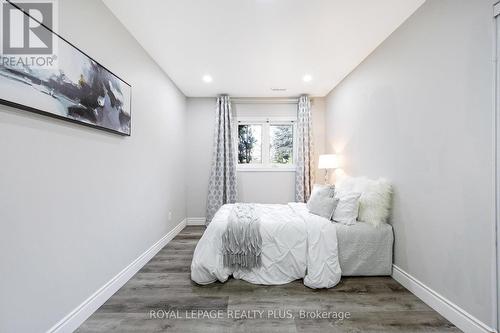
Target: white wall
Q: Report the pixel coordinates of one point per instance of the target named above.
(77, 205)
(262, 187)
(419, 111)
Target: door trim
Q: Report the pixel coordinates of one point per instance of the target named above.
(496, 163)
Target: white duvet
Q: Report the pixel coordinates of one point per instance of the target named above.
(295, 245)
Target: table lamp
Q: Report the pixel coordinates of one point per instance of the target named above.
(327, 162)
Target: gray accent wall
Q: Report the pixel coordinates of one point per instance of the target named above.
(77, 205)
(419, 111)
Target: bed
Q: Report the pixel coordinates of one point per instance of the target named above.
(365, 250)
(298, 245)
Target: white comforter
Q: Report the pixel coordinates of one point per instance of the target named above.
(295, 245)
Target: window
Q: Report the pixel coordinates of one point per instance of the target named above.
(266, 144)
(249, 144)
(281, 144)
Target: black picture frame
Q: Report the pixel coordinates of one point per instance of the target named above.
(92, 61)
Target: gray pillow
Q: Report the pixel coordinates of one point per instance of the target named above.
(322, 201)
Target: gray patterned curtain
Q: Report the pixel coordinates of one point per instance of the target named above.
(222, 182)
(304, 175)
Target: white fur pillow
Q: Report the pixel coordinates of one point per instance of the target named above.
(375, 200)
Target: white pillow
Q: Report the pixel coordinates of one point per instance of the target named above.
(322, 201)
(375, 200)
(347, 207)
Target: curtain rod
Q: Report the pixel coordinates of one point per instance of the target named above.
(267, 100)
(264, 100)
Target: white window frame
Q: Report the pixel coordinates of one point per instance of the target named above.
(266, 122)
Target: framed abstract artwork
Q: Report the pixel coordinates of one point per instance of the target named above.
(65, 83)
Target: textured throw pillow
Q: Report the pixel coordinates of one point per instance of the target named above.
(347, 207)
(322, 201)
(375, 200)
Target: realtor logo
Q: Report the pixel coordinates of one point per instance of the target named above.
(24, 27)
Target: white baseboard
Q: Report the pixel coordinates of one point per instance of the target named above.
(76, 317)
(196, 220)
(456, 315)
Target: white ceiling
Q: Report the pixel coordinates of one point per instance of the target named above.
(251, 46)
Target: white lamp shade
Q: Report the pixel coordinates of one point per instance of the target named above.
(329, 161)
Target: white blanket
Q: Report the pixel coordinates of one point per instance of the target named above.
(295, 245)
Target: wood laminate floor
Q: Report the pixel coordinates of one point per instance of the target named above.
(163, 288)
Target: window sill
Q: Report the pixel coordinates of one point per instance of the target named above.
(266, 169)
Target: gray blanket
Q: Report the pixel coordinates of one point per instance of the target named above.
(242, 242)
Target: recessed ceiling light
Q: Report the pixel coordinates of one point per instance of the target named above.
(207, 78)
(307, 78)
